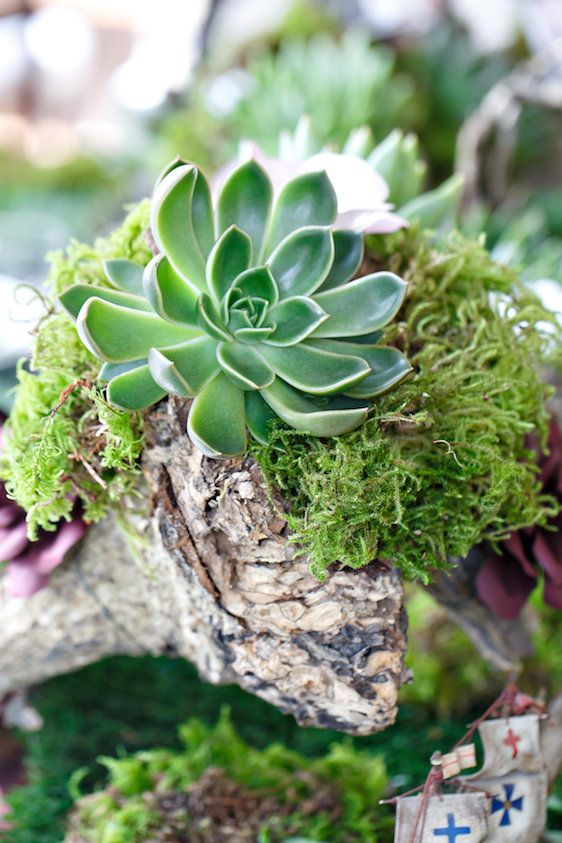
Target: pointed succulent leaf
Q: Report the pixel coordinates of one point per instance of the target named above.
(301, 262)
(295, 319)
(306, 200)
(388, 365)
(110, 370)
(245, 201)
(397, 160)
(239, 321)
(75, 297)
(348, 256)
(384, 156)
(437, 209)
(134, 390)
(172, 223)
(258, 283)
(305, 415)
(358, 143)
(230, 256)
(118, 334)
(244, 365)
(261, 309)
(364, 339)
(259, 417)
(202, 215)
(170, 295)
(216, 422)
(312, 370)
(175, 162)
(125, 275)
(186, 368)
(361, 306)
(209, 318)
(253, 335)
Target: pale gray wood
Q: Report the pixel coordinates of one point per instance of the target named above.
(220, 585)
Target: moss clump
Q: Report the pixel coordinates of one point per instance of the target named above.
(331, 798)
(441, 462)
(65, 441)
(440, 465)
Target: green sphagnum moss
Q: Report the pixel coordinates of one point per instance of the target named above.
(65, 441)
(442, 460)
(441, 463)
(125, 813)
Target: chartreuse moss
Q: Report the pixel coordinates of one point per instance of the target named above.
(65, 441)
(441, 462)
(122, 813)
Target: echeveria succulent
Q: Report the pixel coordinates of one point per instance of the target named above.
(248, 309)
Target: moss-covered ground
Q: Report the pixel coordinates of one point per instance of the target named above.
(442, 461)
(124, 704)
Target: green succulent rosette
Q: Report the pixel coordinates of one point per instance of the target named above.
(248, 309)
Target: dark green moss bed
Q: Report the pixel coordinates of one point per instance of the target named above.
(442, 461)
(123, 705)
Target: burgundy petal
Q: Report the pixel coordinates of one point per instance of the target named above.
(547, 548)
(13, 541)
(503, 586)
(514, 547)
(51, 548)
(553, 593)
(10, 513)
(22, 580)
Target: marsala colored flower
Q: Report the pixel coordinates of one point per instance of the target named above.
(31, 563)
(505, 581)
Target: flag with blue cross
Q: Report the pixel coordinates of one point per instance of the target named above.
(517, 808)
(450, 818)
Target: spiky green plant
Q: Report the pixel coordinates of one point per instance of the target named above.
(397, 159)
(349, 82)
(247, 309)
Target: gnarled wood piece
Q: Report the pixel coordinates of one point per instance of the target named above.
(222, 587)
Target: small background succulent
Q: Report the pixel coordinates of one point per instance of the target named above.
(349, 82)
(248, 309)
(397, 159)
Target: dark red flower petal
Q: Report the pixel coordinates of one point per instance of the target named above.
(503, 585)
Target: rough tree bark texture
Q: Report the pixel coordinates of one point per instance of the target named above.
(221, 587)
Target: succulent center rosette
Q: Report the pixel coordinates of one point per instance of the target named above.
(248, 309)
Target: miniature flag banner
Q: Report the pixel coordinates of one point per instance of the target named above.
(462, 758)
(518, 807)
(454, 818)
(511, 744)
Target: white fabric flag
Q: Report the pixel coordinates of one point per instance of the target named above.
(451, 818)
(511, 743)
(518, 807)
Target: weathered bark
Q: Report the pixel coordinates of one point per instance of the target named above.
(220, 585)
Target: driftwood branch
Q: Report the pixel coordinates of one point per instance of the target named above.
(537, 81)
(220, 586)
(502, 643)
